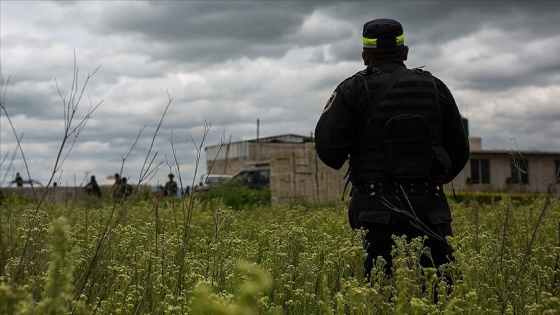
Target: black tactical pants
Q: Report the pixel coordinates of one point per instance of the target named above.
(413, 216)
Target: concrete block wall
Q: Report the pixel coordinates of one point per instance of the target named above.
(298, 174)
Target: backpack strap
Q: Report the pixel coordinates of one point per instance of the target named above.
(380, 95)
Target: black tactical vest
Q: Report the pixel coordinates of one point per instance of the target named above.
(398, 136)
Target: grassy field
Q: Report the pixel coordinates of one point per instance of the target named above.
(213, 256)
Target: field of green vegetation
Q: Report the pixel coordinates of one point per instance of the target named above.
(237, 254)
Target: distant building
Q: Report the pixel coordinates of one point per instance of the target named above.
(528, 171)
(230, 158)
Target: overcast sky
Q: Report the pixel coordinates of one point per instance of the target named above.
(225, 64)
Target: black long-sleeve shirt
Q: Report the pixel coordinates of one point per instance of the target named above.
(337, 131)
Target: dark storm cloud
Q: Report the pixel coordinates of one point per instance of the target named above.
(203, 31)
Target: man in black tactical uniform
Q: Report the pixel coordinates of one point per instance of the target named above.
(92, 188)
(402, 134)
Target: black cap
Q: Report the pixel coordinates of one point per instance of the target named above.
(382, 34)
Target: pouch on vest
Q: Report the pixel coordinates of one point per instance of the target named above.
(442, 164)
(408, 146)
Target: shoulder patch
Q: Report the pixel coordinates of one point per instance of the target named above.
(329, 102)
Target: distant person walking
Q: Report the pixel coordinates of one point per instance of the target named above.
(117, 179)
(124, 189)
(92, 188)
(18, 180)
(116, 185)
(171, 186)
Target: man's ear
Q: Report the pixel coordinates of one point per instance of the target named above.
(365, 58)
(405, 53)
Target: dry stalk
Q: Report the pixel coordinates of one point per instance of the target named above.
(188, 203)
(146, 173)
(528, 250)
(416, 222)
(71, 134)
(188, 207)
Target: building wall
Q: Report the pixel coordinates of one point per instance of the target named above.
(299, 174)
(227, 167)
(262, 151)
(541, 173)
(258, 155)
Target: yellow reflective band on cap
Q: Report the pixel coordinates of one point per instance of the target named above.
(372, 42)
(400, 40)
(369, 42)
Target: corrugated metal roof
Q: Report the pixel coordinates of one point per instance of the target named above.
(286, 138)
(233, 150)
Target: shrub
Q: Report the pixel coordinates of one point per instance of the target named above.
(236, 196)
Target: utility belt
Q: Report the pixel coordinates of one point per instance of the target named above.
(405, 188)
